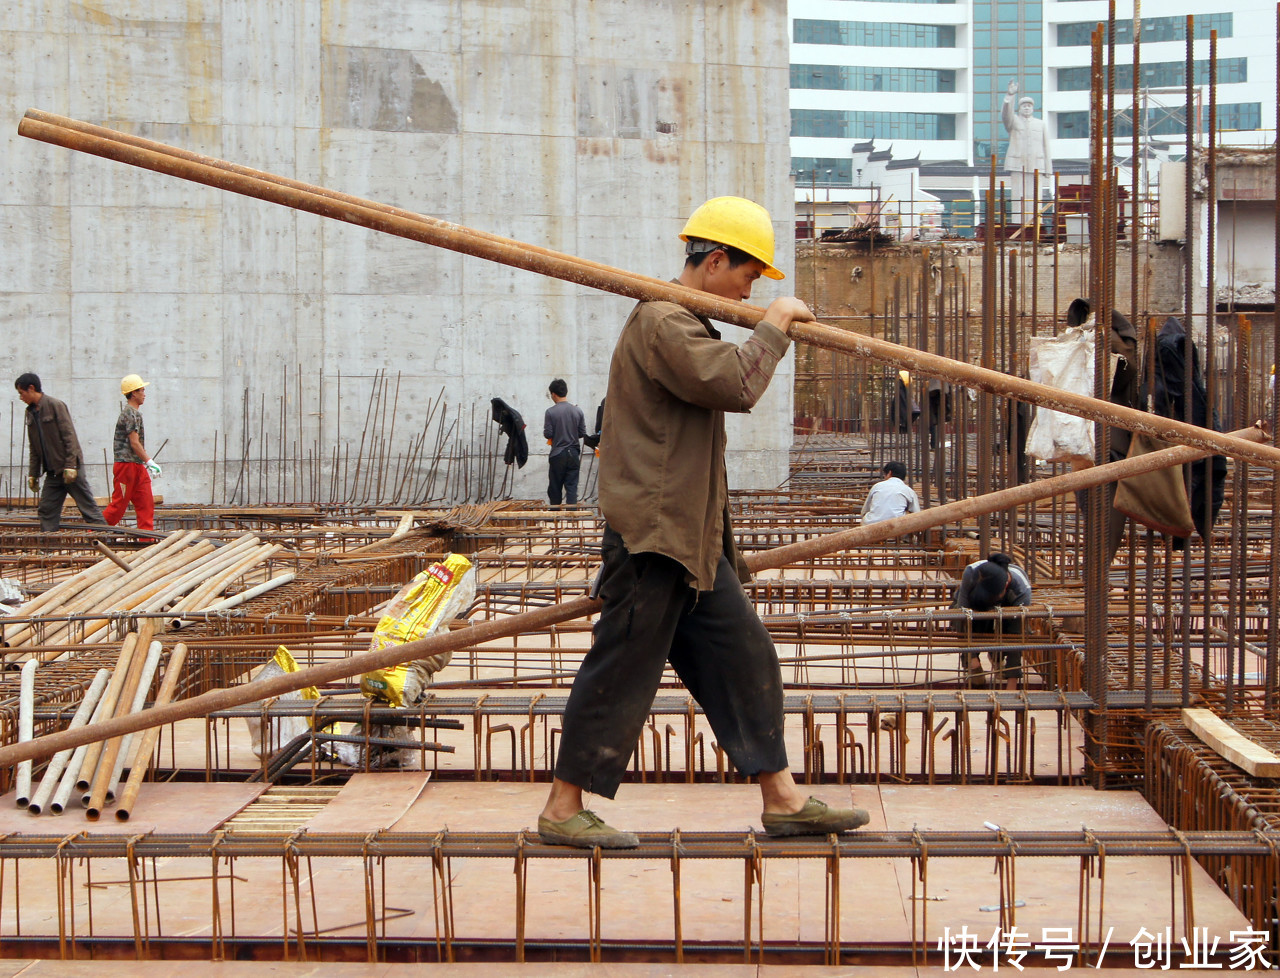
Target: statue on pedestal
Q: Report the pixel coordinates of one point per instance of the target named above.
(1028, 152)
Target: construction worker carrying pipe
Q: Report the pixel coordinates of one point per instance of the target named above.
(134, 467)
(671, 579)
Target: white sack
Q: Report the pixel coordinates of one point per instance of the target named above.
(1064, 361)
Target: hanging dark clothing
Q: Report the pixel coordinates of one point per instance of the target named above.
(905, 410)
(512, 425)
(1125, 391)
(1016, 432)
(593, 440)
(938, 407)
(1208, 477)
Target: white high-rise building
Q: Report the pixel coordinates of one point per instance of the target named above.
(928, 78)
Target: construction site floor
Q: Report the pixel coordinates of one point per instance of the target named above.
(878, 903)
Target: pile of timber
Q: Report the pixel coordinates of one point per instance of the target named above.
(183, 573)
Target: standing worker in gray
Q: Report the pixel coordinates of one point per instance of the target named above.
(55, 452)
(564, 427)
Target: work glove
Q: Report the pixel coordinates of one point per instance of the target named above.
(69, 474)
(33, 483)
(153, 468)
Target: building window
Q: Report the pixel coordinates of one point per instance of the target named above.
(859, 33)
(1162, 74)
(866, 125)
(1171, 121)
(819, 172)
(1153, 29)
(848, 78)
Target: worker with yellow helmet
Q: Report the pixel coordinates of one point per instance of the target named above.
(134, 467)
(672, 578)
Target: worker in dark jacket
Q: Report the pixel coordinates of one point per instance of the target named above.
(671, 580)
(55, 454)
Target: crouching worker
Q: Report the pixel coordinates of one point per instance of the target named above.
(671, 580)
(986, 585)
(891, 497)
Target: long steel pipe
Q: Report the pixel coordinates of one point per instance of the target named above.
(478, 634)
(146, 746)
(221, 175)
(53, 773)
(26, 729)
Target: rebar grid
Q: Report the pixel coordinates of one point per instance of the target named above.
(310, 873)
(1194, 789)
(845, 738)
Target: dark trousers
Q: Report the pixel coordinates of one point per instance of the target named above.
(713, 639)
(1006, 663)
(563, 472)
(55, 491)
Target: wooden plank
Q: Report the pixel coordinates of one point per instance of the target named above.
(1231, 744)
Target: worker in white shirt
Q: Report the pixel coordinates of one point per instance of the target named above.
(891, 497)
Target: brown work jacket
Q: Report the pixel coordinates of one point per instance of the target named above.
(60, 441)
(663, 484)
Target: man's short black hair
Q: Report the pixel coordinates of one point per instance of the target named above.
(895, 469)
(559, 388)
(697, 249)
(28, 380)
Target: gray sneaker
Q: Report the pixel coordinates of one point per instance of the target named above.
(815, 818)
(586, 830)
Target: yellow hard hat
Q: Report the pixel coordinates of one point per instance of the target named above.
(130, 383)
(738, 223)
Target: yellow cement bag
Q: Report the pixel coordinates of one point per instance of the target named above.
(422, 607)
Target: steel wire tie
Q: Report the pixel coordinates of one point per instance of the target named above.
(520, 868)
(1101, 858)
(921, 874)
(677, 850)
(370, 897)
(444, 909)
(832, 908)
(130, 861)
(66, 876)
(289, 860)
(218, 949)
(1188, 901)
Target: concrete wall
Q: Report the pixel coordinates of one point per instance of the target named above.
(1246, 233)
(589, 126)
